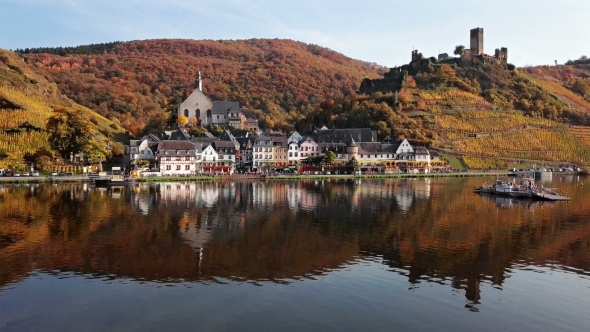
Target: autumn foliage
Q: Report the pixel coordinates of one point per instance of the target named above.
(141, 83)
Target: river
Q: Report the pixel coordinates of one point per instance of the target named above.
(366, 255)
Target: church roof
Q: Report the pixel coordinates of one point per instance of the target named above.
(197, 99)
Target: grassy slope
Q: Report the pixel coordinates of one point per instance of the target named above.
(28, 98)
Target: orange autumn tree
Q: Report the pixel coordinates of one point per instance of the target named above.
(182, 120)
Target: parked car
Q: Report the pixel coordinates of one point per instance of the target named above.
(16, 174)
(35, 174)
(26, 174)
(62, 174)
(53, 174)
(69, 173)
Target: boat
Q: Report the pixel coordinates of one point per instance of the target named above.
(115, 178)
(526, 189)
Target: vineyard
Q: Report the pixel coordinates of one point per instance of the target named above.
(31, 109)
(23, 142)
(453, 97)
(582, 133)
(490, 121)
(534, 144)
(557, 89)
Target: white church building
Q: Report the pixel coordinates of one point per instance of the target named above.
(224, 113)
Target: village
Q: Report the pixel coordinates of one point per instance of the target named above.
(245, 148)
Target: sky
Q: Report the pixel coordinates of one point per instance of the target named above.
(536, 32)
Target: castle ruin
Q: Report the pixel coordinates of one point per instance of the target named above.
(476, 48)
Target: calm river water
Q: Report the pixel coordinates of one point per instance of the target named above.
(365, 255)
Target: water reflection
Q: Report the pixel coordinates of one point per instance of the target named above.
(426, 230)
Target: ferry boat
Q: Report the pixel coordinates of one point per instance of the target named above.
(526, 189)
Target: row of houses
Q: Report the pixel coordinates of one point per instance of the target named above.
(177, 153)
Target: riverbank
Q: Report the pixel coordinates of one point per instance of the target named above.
(83, 179)
(79, 178)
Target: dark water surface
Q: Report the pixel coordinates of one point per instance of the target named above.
(365, 255)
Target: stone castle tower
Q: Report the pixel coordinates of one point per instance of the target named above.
(352, 149)
(476, 45)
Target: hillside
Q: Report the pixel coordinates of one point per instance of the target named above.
(27, 101)
(487, 114)
(140, 83)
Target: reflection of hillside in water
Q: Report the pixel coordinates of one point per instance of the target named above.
(426, 229)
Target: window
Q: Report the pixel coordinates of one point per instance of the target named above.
(168, 167)
(186, 113)
(187, 158)
(198, 113)
(178, 167)
(168, 158)
(217, 116)
(187, 167)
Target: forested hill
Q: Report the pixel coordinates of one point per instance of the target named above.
(140, 83)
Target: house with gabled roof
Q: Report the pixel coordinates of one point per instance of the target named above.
(176, 157)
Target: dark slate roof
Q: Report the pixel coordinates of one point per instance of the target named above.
(244, 141)
(262, 141)
(421, 151)
(178, 135)
(375, 148)
(239, 133)
(224, 144)
(335, 135)
(226, 135)
(207, 140)
(249, 115)
(279, 140)
(184, 147)
(304, 139)
(224, 107)
(338, 148)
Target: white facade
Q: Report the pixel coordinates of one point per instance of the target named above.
(208, 156)
(308, 148)
(293, 153)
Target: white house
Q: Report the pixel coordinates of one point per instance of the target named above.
(176, 157)
(262, 154)
(293, 153)
(308, 148)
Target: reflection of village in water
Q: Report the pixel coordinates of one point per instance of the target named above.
(428, 230)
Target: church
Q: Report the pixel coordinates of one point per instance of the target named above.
(223, 113)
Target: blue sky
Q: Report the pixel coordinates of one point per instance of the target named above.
(382, 31)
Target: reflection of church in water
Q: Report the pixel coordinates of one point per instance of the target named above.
(206, 213)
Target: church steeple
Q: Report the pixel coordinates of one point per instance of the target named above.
(199, 81)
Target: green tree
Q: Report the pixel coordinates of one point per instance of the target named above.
(459, 50)
(69, 133)
(330, 158)
(97, 152)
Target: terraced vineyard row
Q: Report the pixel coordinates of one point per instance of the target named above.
(559, 90)
(454, 97)
(488, 121)
(10, 119)
(23, 142)
(582, 133)
(535, 144)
